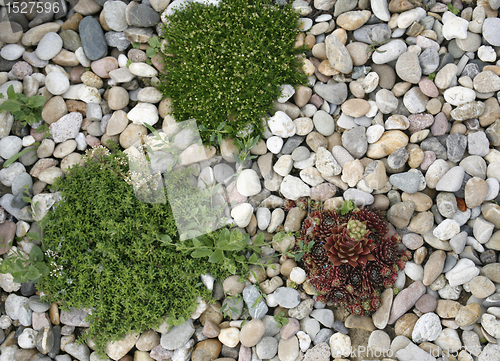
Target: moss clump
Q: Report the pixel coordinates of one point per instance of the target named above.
(105, 253)
(226, 63)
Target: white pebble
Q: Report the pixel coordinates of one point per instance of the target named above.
(274, 144)
(298, 275)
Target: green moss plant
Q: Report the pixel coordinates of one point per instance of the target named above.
(123, 258)
(225, 64)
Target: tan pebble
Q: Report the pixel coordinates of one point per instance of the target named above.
(433, 267)
(319, 51)
(393, 21)
(401, 88)
(358, 53)
(66, 58)
(54, 314)
(353, 20)
(420, 255)
(91, 79)
(458, 127)
(310, 41)
(357, 89)
(416, 157)
(333, 203)
(287, 266)
(326, 69)
(494, 68)
(308, 67)
(405, 324)
(361, 322)
(300, 40)
(72, 22)
(491, 112)
(430, 34)
(433, 106)
(355, 107)
(422, 201)
(468, 315)
(212, 313)
(381, 202)
(421, 223)
(388, 143)
(446, 109)
(341, 34)
(447, 308)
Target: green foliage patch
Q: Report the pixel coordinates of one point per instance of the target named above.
(106, 251)
(26, 110)
(225, 64)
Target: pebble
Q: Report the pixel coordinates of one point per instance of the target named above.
(92, 37)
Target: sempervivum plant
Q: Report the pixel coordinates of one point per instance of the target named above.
(354, 257)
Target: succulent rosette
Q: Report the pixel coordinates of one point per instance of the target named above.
(354, 257)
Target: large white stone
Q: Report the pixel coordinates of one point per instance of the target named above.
(144, 113)
(248, 183)
(281, 125)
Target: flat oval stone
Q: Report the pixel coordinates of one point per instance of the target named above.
(93, 40)
(337, 54)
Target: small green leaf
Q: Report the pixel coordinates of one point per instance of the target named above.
(10, 106)
(11, 93)
(217, 256)
(253, 258)
(347, 206)
(259, 240)
(201, 252)
(36, 254)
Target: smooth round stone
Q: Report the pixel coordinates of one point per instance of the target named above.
(274, 144)
(491, 30)
(426, 303)
(49, 46)
(143, 113)
(93, 40)
(248, 183)
(267, 348)
(337, 54)
(118, 98)
(57, 83)
(415, 101)
(408, 67)
(114, 15)
(143, 70)
(389, 52)
(10, 146)
(252, 332)
(12, 51)
(281, 125)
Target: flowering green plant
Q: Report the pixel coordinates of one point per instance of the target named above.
(227, 69)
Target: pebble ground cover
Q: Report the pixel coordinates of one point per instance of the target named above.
(398, 120)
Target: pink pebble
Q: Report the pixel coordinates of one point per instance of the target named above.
(92, 141)
(103, 66)
(419, 122)
(440, 126)
(429, 158)
(428, 87)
